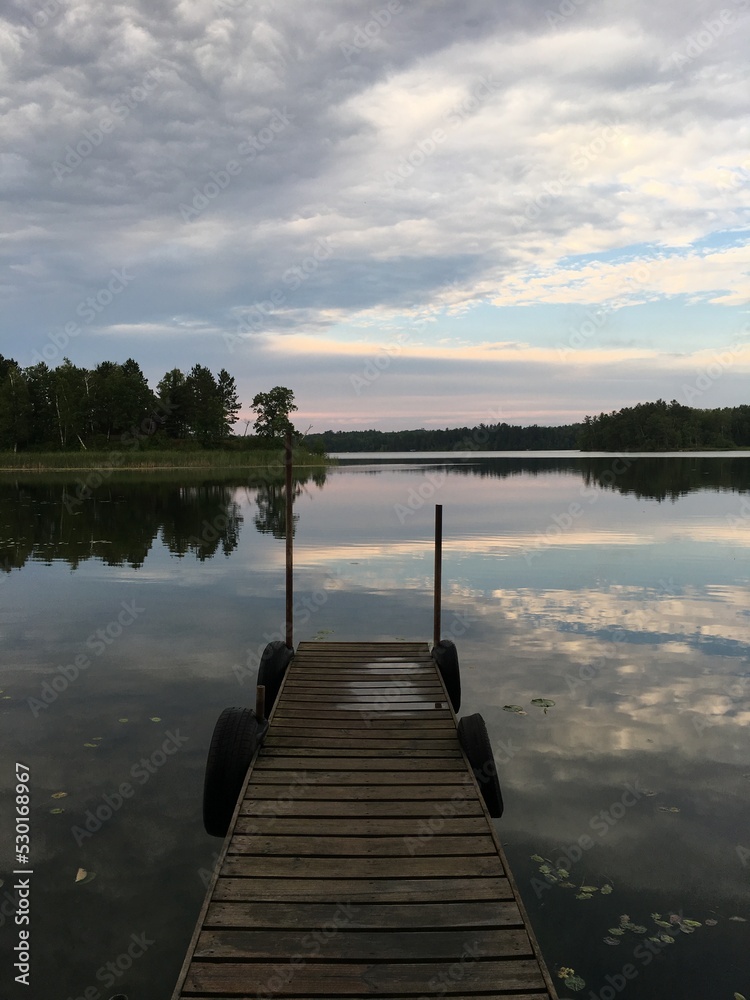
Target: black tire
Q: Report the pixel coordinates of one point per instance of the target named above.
(236, 737)
(276, 658)
(446, 658)
(472, 735)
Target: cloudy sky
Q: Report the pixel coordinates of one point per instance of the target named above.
(411, 213)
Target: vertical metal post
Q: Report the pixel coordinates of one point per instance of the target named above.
(289, 533)
(438, 571)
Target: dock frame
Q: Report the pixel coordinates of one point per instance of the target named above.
(361, 860)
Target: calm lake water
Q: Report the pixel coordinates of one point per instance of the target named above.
(617, 589)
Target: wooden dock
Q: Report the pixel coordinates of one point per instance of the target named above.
(361, 860)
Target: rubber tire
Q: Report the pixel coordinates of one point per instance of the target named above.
(472, 735)
(446, 658)
(276, 658)
(235, 739)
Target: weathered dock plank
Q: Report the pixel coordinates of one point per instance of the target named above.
(361, 860)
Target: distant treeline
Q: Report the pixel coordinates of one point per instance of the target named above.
(485, 437)
(69, 407)
(658, 426)
(662, 426)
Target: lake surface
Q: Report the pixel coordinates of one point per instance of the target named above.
(619, 589)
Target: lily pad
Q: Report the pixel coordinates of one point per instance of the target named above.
(692, 923)
(544, 703)
(584, 895)
(589, 888)
(514, 708)
(666, 939)
(58, 795)
(83, 877)
(739, 920)
(606, 889)
(616, 930)
(710, 922)
(575, 983)
(155, 718)
(611, 940)
(123, 720)
(57, 811)
(537, 857)
(93, 746)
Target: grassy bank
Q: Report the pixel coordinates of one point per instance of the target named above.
(153, 460)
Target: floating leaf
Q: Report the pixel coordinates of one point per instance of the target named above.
(57, 811)
(686, 929)
(606, 889)
(565, 972)
(650, 793)
(514, 708)
(543, 702)
(674, 918)
(589, 888)
(738, 996)
(155, 718)
(616, 930)
(663, 923)
(692, 923)
(666, 939)
(740, 920)
(92, 745)
(584, 895)
(668, 809)
(575, 983)
(123, 720)
(568, 885)
(654, 939)
(656, 916)
(611, 940)
(562, 873)
(710, 922)
(58, 795)
(536, 857)
(624, 918)
(81, 874)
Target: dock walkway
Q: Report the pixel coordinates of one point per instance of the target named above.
(361, 860)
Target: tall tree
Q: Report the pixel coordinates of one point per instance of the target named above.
(15, 406)
(204, 406)
(273, 409)
(230, 403)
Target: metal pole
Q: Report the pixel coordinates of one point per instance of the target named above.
(438, 571)
(289, 532)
